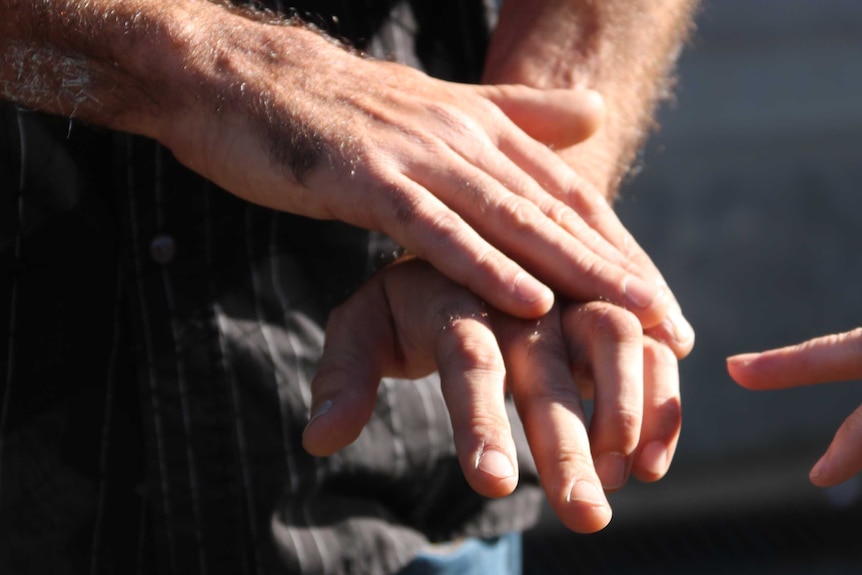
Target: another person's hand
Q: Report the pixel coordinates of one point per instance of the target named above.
(825, 359)
(409, 320)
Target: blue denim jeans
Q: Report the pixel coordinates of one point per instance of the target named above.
(499, 556)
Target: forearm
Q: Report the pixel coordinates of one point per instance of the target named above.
(134, 65)
(85, 59)
(624, 50)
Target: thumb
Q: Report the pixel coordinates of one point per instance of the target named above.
(344, 390)
(559, 118)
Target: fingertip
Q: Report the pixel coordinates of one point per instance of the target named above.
(613, 470)
(653, 462)
(739, 367)
(494, 474)
(538, 297)
(652, 303)
(594, 110)
(317, 437)
(586, 508)
(742, 359)
(335, 422)
(820, 472)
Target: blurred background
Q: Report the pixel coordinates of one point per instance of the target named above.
(750, 202)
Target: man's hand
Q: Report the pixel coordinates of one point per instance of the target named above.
(277, 114)
(830, 358)
(409, 320)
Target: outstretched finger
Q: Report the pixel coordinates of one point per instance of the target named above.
(835, 357)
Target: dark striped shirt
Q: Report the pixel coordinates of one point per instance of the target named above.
(161, 337)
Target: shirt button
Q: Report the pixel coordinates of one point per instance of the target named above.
(162, 249)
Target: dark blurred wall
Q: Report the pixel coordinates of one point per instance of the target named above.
(750, 201)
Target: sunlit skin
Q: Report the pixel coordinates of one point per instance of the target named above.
(574, 351)
(460, 175)
(492, 184)
(410, 321)
(824, 359)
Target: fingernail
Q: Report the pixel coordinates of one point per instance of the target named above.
(818, 469)
(640, 293)
(495, 464)
(321, 410)
(682, 330)
(743, 359)
(611, 469)
(531, 290)
(586, 492)
(654, 458)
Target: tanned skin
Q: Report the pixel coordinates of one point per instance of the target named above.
(280, 115)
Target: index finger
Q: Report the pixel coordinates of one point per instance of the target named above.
(836, 357)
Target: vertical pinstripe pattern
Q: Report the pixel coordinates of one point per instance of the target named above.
(141, 544)
(107, 420)
(288, 395)
(281, 388)
(152, 384)
(220, 321)
(13, 307)
(189, 439)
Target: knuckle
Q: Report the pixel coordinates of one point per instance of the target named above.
(551, 393)
(542, 343)
(623, 430)
(659, 354)
(404, 206)
(455, 119)
(628, 422)
(615, 324)
(565, 217)
(668, 418)
(444, 228)
(853, 340)
(572, 458)
(480, 359)
(521, 214)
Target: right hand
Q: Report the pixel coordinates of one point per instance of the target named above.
(460, 175)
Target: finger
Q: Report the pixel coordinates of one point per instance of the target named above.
(557, 118)
(662, 416)
(673, 329)
(473, 380)
(523, 221)
(595, 213)
(843, 459)
(835, 357)
(432, 231)
(549, 406)
(610, 341)
(344, 389)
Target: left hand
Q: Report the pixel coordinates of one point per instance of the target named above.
(824, 359)
(410, 320)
